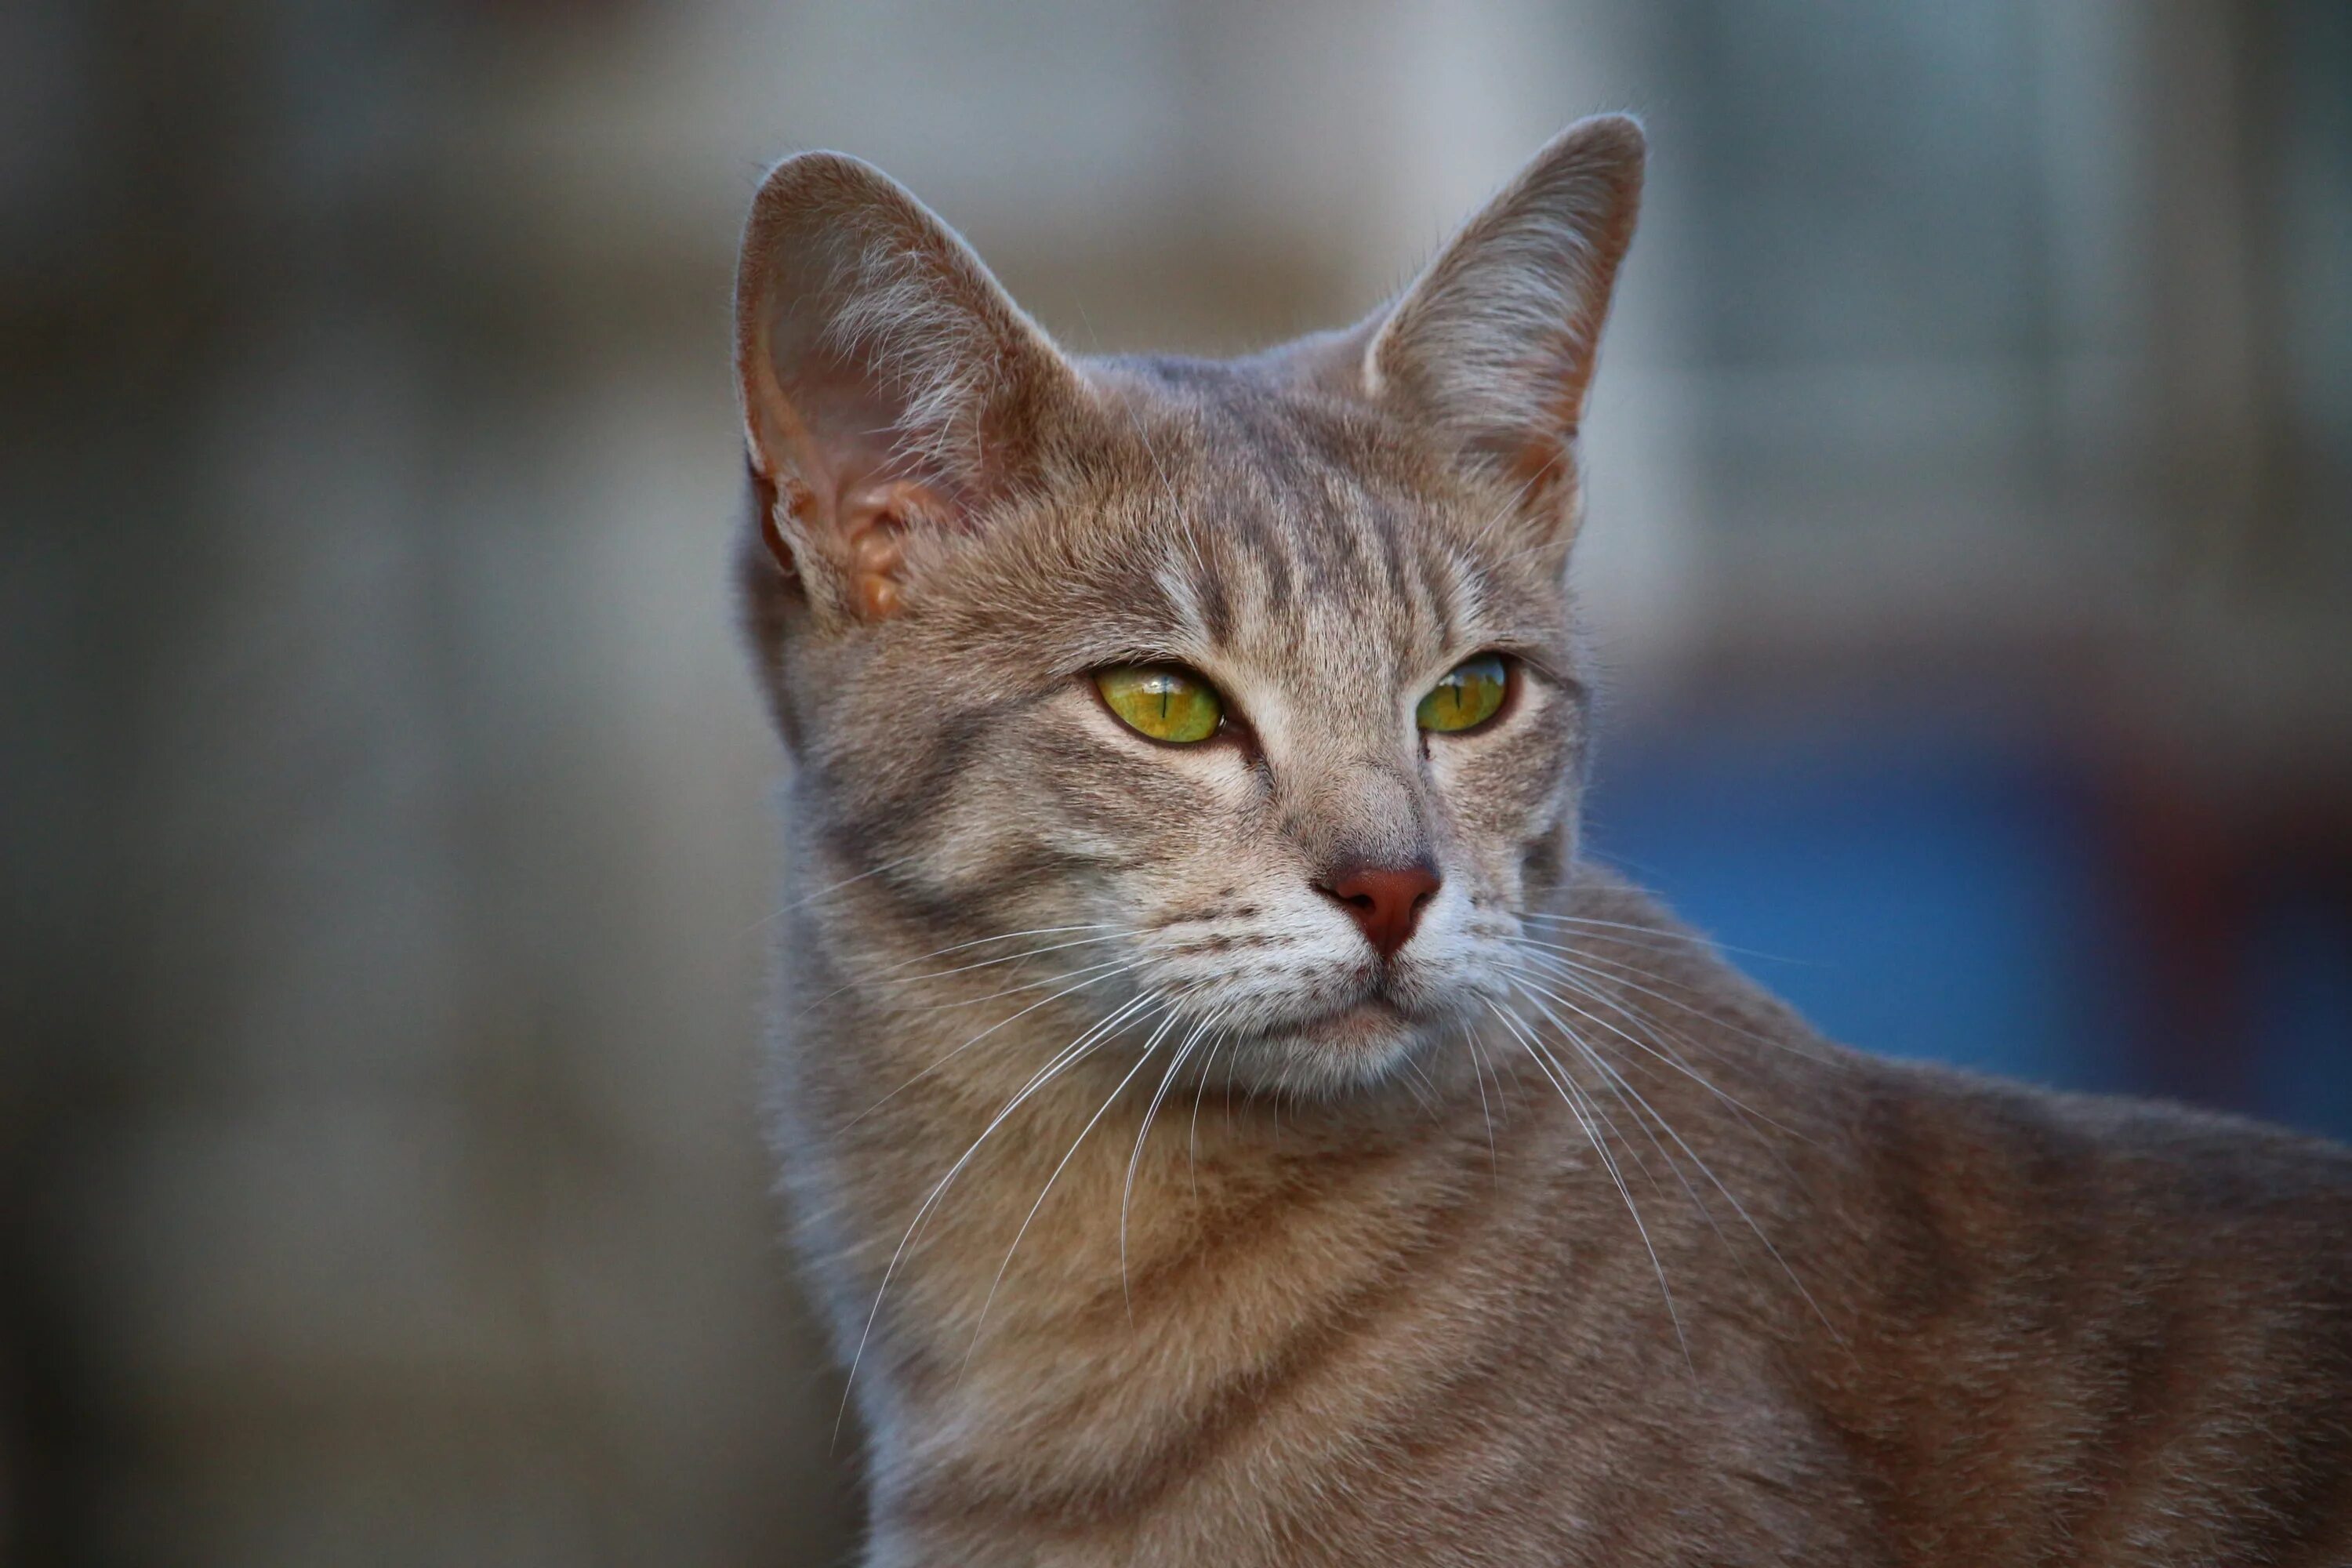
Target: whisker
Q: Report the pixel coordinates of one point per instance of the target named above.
(1594, 993)
(1060, 1060)
(1665, 942)
(1717, 1018)
(1630, 1152)
(1120, 963)
(1593, 953)
(1592, 1101)
(1010, 957)
(1604, 968)
(1660, 935)
(1128, 1192)
(1741, 1111)
(1192, 1138)
(1621, 1088)
(1560, 1081)
(1705, 1169)
(1486, 1113)
(808, 898)
(1112, 933)
(1000, 1022)
(1149, 1046)
(1428, 1102)
(1613, 1080)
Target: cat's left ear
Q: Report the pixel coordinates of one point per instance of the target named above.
(1494, 345)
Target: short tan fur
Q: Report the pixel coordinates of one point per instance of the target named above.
(1173, 1208)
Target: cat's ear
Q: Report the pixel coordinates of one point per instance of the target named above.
(1492, 345)
(892, 391)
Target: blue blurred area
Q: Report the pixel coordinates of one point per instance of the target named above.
(1924, 889)
(2303, 1000)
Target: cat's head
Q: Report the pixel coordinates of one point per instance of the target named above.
(1249, 688)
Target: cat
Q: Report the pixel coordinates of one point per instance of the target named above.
(1226, 1120)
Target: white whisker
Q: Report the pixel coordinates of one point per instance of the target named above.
(1595, 994)
(1485, 1112)
(1740, 1110)
(1009, 957)
(1060, 1060)
(1585, 955)
(1569, 1097)
(1149, 1046)
(1658, 935)
(1000, 1022)
(1705, 1169)
(1112, 965)
(1126, 1194)
(1111, 933)
(807, 898)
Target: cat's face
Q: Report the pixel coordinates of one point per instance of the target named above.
(1319, 587)
(1319, 872)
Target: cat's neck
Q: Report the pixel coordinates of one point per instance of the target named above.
(1073, 1278)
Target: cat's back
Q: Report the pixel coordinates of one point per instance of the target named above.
(2163, 1191)
(2091, 1331)
(1969, 1157)
(2051, 1328)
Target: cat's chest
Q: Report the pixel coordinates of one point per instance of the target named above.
(1357, 1469)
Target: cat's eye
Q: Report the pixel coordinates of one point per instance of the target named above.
(1161, 701)
(1466, 696)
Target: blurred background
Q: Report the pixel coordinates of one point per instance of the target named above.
(384, 802)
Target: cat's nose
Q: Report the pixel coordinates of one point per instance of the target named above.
(1384, 900)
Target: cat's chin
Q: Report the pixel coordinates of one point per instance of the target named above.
(1357, 1045)
(1369, 1024)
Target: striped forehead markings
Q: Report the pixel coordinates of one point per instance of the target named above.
(1286, 517)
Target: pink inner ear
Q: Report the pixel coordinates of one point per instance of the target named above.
(884, 371)
(1541, 467)
(842, 424)
(875, 519)
(853, 488)
(766, 497)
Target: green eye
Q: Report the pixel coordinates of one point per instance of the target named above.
(1172, 705)
(1467, 696)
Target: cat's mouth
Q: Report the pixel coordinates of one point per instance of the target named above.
(1349, 1027)
(1356, 1042)
(1374, 1021)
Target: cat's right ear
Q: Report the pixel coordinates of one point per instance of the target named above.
(892, 391)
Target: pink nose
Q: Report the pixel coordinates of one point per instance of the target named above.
(1384, 900)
